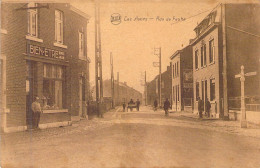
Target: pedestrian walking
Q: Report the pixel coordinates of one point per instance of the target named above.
(200, 107)
(138, 104)
(36, 113)
(166, 106)
(124, 107)
(155, 104)
(208, 106)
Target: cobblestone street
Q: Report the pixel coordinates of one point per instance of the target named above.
(135, 139)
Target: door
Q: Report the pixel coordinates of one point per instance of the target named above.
(29, 91)
(80, 97)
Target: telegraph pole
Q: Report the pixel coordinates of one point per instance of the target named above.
(118, 100)
(145, 88)
(98, 62)
(160, 76)
(112, 81)
(243, 105)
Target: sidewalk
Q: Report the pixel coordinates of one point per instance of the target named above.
(215, 124)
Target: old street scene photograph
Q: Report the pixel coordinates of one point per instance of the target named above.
(127, 83)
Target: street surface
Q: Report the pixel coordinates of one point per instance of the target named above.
(135, 139)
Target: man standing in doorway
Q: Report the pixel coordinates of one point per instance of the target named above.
(37, 110)
(208, 106)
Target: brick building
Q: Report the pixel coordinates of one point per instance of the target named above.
(225, 40)
(44, 54)
(153, 87)
(182, 83)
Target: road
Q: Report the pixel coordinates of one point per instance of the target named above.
(130, 139)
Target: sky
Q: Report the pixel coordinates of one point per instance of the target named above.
(132, 42)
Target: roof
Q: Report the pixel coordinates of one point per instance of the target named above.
(76, 10)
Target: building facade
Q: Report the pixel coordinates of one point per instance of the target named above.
(43, 54)
(182, 79)
(122, 93)
(153, 88)
(225, 40)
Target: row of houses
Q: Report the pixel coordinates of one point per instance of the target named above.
(226, 39)
(122, 93)
(44, 54)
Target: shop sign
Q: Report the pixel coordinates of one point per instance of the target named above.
(46, 52)
(187, 75)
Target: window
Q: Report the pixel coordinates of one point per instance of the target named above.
(173, 72)
(201, 56)
(58, 26)
(81, 45)
(197, 90)
(173, 93)
(196, 59)
(177, 68)
(202, 90)
(178, 88)
(206, 89)
(205, 55)
(211, 51)
(52, 86)
(32, 19)
(212, 89)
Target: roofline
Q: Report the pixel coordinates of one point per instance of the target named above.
(76, 10)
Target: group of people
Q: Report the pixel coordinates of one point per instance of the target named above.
(201, 107)
(166, 106)
(131, 103)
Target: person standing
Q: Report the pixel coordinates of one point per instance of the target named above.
(155, 104)
(200, 107)
(137, 104)
(208, 106)
(166, 106)
(36, 112)
(124, 107)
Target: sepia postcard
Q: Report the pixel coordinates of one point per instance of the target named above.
(127, 83)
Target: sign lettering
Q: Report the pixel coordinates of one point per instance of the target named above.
(46, 52)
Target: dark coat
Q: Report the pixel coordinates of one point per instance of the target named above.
(200, 105)
(166, 104)
(155, 103)
(208, 106)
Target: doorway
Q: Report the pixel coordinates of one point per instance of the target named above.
(30, 71)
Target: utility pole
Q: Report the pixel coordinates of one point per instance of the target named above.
(145, 88)
(160, 76)
(98, 62)
(243, 105)
(112, 81)
(118, 100)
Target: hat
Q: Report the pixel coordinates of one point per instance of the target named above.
(37, 98)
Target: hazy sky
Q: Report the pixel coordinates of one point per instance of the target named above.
(132, 42)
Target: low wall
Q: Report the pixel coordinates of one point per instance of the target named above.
(251, 116)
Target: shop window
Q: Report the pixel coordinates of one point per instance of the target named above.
(196, 59)
(52, 86)
(81, 45)
(211, 51)
(197, 90)
(32, 19)
(212, 89)
(59, 26)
